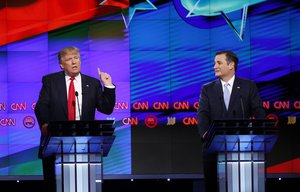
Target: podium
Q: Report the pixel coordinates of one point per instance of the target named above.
(79, 148)
(241, 147)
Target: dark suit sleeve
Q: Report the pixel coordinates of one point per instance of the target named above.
(106, 99)
(203, 112)
(257, 109)
(41, 109)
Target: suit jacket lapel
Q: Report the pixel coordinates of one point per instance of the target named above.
(61, 88)
(219, 91)
(234, 94)
(85, 90)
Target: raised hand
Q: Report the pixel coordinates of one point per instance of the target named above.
(105, 78)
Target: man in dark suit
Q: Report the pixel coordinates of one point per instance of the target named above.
(228, 97)
(52, 104)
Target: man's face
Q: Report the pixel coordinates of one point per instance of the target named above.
(223, 70)
(71, 63)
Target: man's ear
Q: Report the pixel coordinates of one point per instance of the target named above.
(61, 66)
(231, 65)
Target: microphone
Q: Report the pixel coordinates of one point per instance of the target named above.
(242, 105)
(76, 93)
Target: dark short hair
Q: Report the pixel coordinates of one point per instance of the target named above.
(67, 50)
(230, 57)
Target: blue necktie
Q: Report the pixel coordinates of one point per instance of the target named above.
(226, 95)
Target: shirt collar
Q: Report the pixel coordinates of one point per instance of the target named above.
(230, 82)
(76, 77)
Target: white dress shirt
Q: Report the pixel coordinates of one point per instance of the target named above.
(230, 84)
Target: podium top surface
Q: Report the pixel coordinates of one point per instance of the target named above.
(81, 124)
(247, 131)
(81, 128)
(244, 123)
(79, 137)
(242, 127)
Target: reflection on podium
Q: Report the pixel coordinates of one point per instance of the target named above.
(241, 146)
(79, 147)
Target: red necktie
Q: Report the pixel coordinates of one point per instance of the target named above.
(71, 100)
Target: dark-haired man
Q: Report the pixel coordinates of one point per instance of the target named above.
(228, 97)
